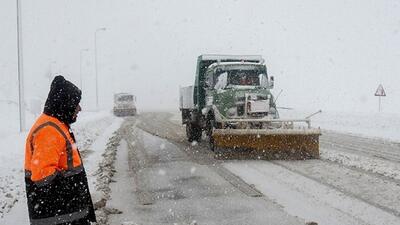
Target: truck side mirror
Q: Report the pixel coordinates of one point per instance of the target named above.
(271, 82)
(263, 80)
(222, 81)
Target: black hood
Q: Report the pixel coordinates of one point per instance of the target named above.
(62, 100)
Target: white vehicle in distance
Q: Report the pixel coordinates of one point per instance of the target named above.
(124, 104)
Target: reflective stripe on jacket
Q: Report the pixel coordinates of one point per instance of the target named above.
(56, 182)
(50, 149)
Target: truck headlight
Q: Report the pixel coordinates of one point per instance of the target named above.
(248, 107)
(232, 112)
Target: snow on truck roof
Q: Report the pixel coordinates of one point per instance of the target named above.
(124, 93)
(232, 57)
(234, 63)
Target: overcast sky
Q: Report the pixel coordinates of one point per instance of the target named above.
(329, 55)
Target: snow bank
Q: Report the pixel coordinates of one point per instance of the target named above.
(9, 118)
(375, 165)
(92, 131)
(366, 124)
(89, 127)
(104, 175)
(12, 185)
(306, 198)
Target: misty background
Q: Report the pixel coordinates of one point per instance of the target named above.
(328, 55)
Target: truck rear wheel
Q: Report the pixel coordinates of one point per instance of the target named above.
(193, 132)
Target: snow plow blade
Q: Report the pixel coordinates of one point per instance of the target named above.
(280, 144)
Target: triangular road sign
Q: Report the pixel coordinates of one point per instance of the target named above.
(380, 91)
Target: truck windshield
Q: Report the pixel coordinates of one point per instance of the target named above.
(241, 78)
(125, 98)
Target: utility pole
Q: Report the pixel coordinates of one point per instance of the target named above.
(96, 69)
(80, 65)
(21, 101)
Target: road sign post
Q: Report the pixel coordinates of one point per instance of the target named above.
(380, 92)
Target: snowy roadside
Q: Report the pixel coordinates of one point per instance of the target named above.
(12, 187)
(102, 176)
(379, 166)
(363, 124)
(93, 130)
(309, 198)
(176, 117)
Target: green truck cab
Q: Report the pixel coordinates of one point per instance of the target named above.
(226, 87)
(239, 90)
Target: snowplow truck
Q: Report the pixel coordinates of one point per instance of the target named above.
(232, 104)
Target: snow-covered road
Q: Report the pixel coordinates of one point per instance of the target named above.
(168, 186)
(355, 182)
(143, 171)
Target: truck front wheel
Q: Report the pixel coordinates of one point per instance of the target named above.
(210, 127)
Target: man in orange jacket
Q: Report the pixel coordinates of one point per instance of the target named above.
(56, 183)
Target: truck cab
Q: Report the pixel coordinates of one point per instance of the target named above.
(239, 90)
(226, 87)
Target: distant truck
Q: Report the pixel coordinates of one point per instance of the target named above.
(231, 101)
(124, 104)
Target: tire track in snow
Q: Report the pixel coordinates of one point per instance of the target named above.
(361, 149)
(340, 189)
(379, 148)
(309, 198)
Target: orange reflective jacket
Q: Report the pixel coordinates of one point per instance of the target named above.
(50, 150)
